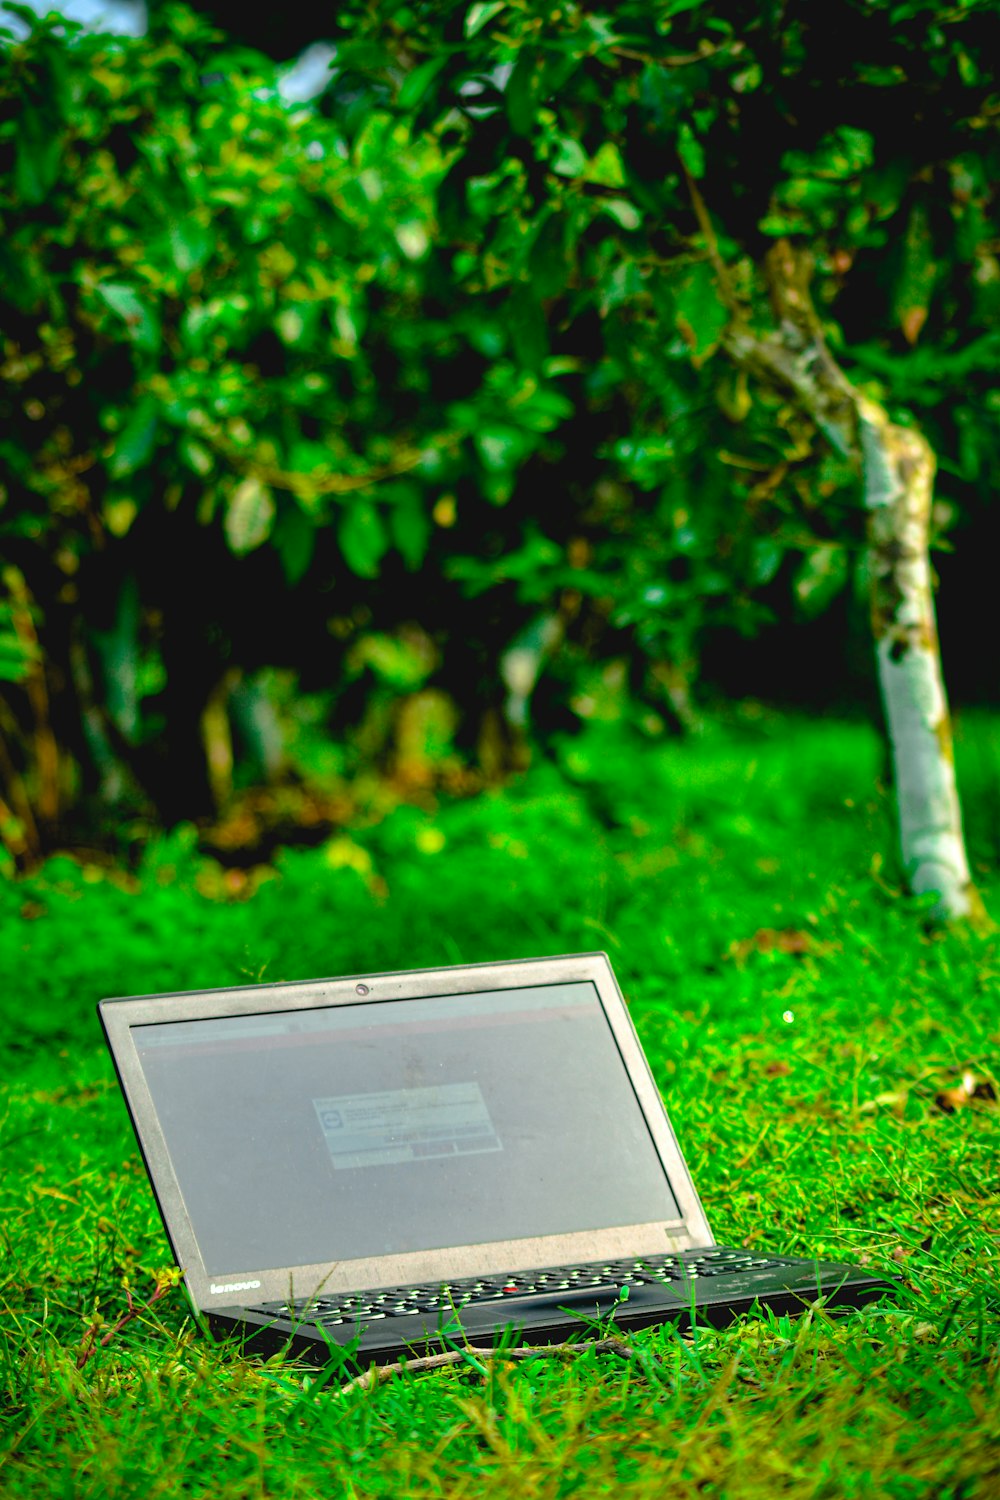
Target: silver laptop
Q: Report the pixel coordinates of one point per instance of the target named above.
(365, 1168)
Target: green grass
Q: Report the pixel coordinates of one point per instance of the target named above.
(802, 1085)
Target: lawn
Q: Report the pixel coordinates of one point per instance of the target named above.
(810, 1037)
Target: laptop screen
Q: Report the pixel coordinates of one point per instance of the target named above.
(341, 1132)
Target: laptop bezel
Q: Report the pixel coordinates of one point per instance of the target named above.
(248, 1285)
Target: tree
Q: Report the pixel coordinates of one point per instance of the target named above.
(639, 165)
(237, 365)
(898, 464)
(487, 341)
(213, 380)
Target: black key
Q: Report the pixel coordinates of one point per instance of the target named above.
(556, 1298)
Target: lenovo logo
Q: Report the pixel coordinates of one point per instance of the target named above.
(233, 1286)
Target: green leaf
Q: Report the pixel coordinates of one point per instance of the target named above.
(623, 212)
(190, 244)
(362, 537)
(606, 167)
(396, 662)
(500, 448)
(548, 265)
(820, 578)
(520, 92)
(411, 529)
(481, 14)
(700, 314)
(196, 457)
(16, 656)
(498, 488)
(417, 83)
(662, 97)
(529, 565)
(21, 276)
(119, 511)
(412, 238)
(569, 158)
(545, 409)
(885, 186)
(917, 274)
(765, 559)
(249, 516)
(37, 163)
(777, 224)
(136, 440)
(528, 333)
(141, 321)
(690, 151)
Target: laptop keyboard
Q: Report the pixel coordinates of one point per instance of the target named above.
(410, 1301)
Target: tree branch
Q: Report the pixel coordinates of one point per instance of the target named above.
(795, 356)
(310, 487)
(726, 289)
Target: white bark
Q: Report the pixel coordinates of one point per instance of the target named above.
(521, 664)
(898, 467)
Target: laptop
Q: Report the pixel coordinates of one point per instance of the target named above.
(377, 1167)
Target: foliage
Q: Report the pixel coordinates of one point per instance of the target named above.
(201, 289)
(190, 305)
(441, 356)
(583, 148)
(801, 1077)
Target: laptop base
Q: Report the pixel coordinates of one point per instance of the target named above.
(783, 1287)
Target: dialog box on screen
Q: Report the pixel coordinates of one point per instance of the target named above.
(399, 1125)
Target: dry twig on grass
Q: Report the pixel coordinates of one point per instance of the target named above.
(380, 1373)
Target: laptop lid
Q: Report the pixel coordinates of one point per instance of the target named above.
(388, 1129)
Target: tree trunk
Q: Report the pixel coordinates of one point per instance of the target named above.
(898, 468)
(897, 465)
